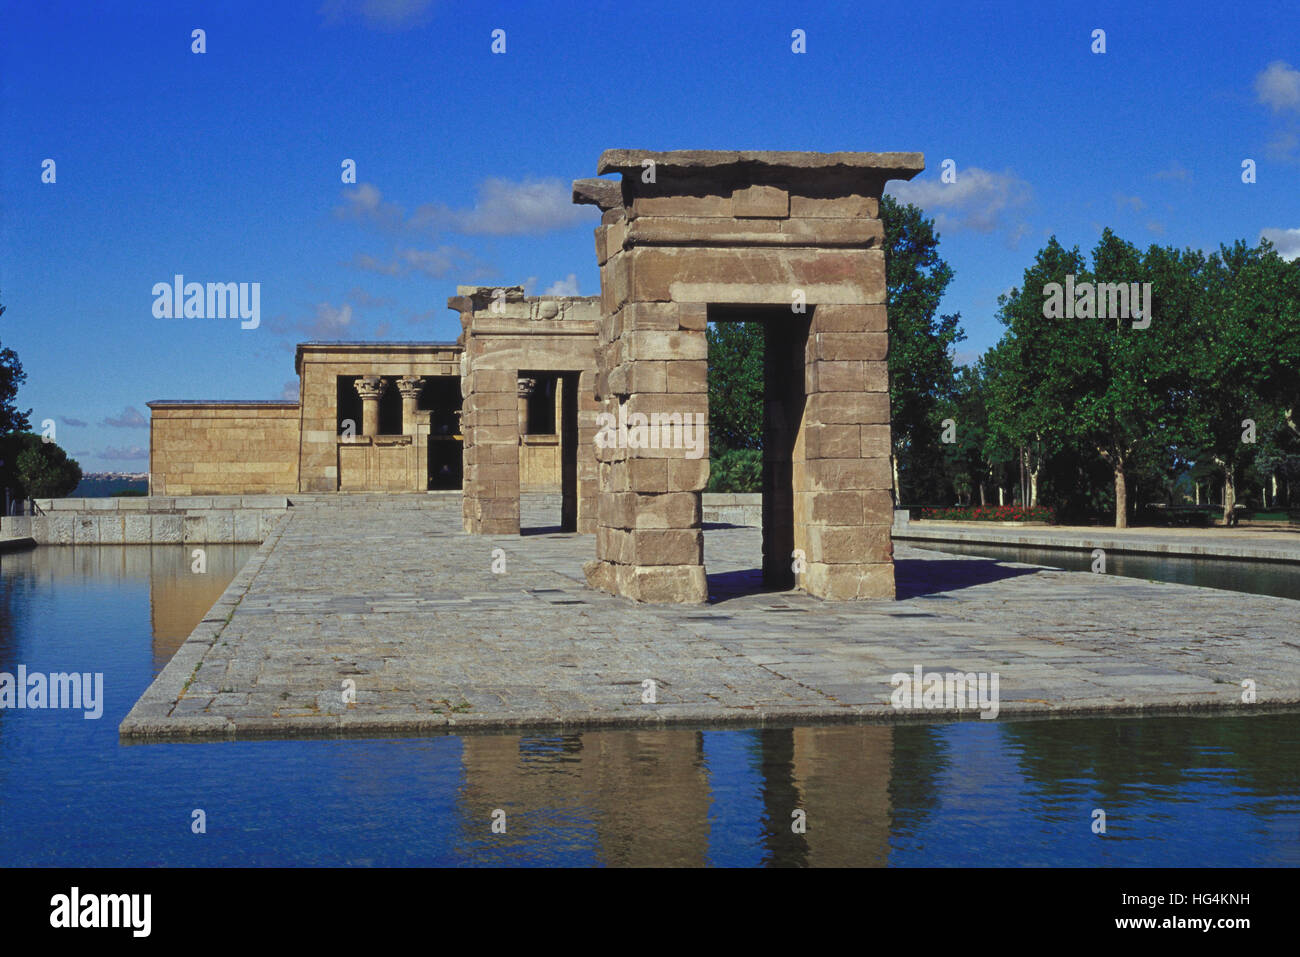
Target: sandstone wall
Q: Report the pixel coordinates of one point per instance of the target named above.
(223, 448)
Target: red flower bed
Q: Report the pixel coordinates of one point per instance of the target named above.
(992, 513)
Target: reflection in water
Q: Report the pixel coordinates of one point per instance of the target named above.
(178, 595)
(1279, 579)
(1176, 791)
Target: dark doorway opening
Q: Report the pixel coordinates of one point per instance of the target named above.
(348, 404)
(774, 383)
(549, 443)
(441, 398)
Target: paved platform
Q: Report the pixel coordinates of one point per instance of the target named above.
(404, 605)
(1267, 543)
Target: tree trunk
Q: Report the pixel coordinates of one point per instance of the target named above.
(1229, 497)
(1121, 498)
(893, 463)
(983, 498)
(1198, 493)
(1001, 497)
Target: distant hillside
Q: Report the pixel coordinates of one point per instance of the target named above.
(104, 484)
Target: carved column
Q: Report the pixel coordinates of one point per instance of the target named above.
(526, 388)
(370, 388)
(410, 386)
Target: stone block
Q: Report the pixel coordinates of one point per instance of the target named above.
(756, 275)
(684, 376)
(659, 344)
(837, 475)
(687, 475)
(16, 526)
(194, 528)
(166, 529)
(112, 529)
(686, 584)
(674, 546)
(836, 408)
(85, 530)
(59, 529)
(679, 510)
(856, 318)
(833, 441)
(137, 529)
(849, 582)
(760, 201)
(868, 346)
(849, 544)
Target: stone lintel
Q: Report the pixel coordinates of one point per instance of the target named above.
(605, 194)
(748, 164)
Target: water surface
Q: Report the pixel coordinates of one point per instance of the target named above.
(1176, 791)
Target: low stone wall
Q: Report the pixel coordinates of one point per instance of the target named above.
(150, 520)
(732, 508)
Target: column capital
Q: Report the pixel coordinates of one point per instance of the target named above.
(526, 387)
(370, 386)
(410, 386)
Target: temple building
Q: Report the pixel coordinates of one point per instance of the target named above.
(386, 416)
(525, 398)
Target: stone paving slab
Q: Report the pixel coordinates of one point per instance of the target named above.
(400, 605)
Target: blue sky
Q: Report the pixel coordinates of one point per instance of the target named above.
(225, 166)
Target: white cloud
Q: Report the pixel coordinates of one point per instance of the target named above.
(1278, 86)
(1133, 202)
(564, 287)
(365, 204)
(290, 391)
(130, 418)
(1287, 241)
(502, 208)
(391, 15)
(507, 208)
(976, 201)
(434, 263)
(329, 322)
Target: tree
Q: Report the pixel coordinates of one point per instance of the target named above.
(11, 377)
(735, 386)
(35, 468)
(1086, 375)
(1243, 369)
(921, 370)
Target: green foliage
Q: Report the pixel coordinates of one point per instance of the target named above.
(36, 469)
(736, 470)
(735, 385)
(1159, 407)
(11, 377)
(920, 349)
